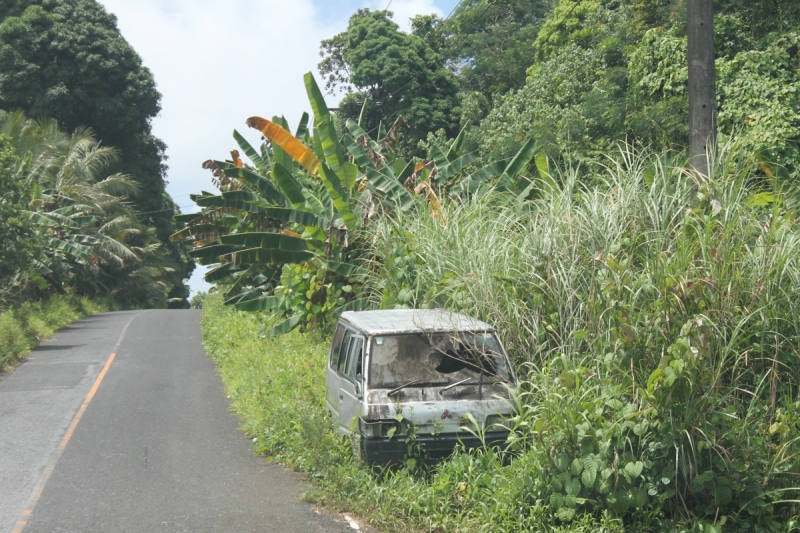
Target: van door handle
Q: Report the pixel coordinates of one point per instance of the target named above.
(341, 397)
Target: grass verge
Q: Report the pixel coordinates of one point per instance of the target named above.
(23, 328)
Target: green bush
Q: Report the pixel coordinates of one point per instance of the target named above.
(22, 328)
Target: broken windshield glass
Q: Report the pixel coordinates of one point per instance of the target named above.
(436, 359)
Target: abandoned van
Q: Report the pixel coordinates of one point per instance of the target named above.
(430, 368)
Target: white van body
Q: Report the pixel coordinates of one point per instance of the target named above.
(427, 367)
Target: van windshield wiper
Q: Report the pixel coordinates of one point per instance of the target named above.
(401, 387)
(457, 383)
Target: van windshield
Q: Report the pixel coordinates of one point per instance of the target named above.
(436, 359)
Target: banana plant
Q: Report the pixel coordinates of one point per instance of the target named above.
(293, 213)
(283, 233)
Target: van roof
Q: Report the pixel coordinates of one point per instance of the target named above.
(411, 321)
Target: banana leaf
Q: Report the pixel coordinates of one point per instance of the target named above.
(262, 184)
(349, 175)
(407, 171)
(285, 327)
(318, 105)
(338, 196)
(252, 256)
(212, 251)
(286, 141)
(291, 188)
(221, 273)
(328, 141)
(197, 229)
(304, 218)
(455, 166)
(391, 189)
(219, 201)
(521, 159)
(243, 195)
(439, 158)
(488, 172)
(243, 279)
(265, 303)
(358, 154)
(276, 241)
(302, 127)
(247, 294)
(249, 151)
(358, 132)
(452, 153)
(314, 205)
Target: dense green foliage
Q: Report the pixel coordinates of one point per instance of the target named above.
(286, 234)
(70, 225)
(22, 328)
(656, 331)
(604, 72)
(579, 76)
(398, 74)
(65, 59)
(660, 323)
(490, 46)
(16, 245)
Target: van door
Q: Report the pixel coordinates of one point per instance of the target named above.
(339, 345)
(351, 384)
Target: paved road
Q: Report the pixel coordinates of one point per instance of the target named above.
(154, 450)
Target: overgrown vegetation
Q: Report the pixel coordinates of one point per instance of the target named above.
(77, 106)
(66, 60)
(69, 226)
(651, 312)
(654, 321)
(22, 328)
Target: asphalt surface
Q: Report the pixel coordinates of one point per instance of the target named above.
(155, 449)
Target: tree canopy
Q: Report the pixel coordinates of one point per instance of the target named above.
(66, 59)
(399, 74)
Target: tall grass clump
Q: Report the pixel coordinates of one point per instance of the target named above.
(655, 318)
(23, 327)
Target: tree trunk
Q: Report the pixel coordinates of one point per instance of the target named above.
(702, 83)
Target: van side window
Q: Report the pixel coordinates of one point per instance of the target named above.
(342, 360)
(336, 345)
(356, 358)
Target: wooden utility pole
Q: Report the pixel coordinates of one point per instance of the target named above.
(702, 83)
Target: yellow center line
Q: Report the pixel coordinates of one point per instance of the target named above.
(51, 465)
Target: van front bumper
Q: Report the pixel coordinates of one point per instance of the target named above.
(383, 450)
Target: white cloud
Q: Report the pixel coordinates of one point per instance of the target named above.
(217, 62)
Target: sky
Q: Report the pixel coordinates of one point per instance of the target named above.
(217, 62)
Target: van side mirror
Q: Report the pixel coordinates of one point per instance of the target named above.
(358, 387)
